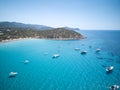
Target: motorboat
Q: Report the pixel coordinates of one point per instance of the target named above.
(114, 87)
(12, 74)
(98, 50)
(77, 49)
(108, 69)
(55, 55)
(26, 61)
(84, 52)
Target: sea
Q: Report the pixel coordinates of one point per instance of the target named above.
(71, 70)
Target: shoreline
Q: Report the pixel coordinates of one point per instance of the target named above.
(9, 40)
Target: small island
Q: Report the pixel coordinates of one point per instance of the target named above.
(8, 32)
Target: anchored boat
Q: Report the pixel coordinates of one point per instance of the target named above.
(26, 61)
(98, 50)
(114, 87)
(12, 74)
(109, 69)
(77, 49)
(84, 52)
(55, 55)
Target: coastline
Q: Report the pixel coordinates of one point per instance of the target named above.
(9, 40)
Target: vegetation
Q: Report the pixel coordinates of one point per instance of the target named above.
(58, 33)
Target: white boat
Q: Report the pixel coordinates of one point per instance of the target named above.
(12, 74)
(108, 69)
(84, 52)
(26, 61)
(77, 49)
(114, 87)
(55, 55)
(98, 50)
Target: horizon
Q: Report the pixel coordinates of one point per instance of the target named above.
(86, 15)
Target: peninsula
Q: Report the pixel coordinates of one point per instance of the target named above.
(10, 31)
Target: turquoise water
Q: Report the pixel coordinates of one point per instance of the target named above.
(70, 71)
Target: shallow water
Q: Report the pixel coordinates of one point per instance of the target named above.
(70, 71)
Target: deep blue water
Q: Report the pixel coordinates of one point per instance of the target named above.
(70, 71)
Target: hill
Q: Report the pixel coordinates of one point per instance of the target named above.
(16, 31)
(60, 33)
(22, 25)
(74, 29)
